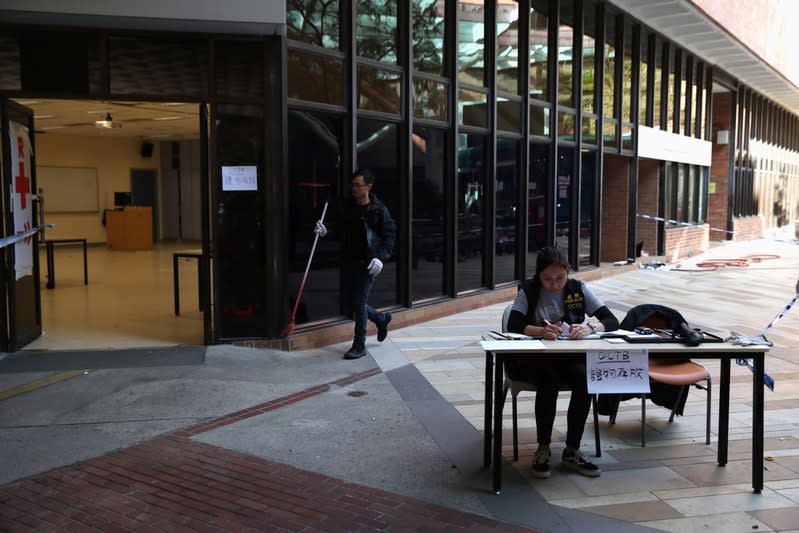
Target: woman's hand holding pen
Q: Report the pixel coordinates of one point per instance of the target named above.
(551, 331)
(579, 331)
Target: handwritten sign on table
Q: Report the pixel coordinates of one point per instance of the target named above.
(616, 371)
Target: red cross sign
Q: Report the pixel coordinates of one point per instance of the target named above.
(22, 183)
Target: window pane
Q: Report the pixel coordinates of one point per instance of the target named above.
(428, 36)
(609, 134)
(566, 129)
(589, 130)
(507, 209)
(378, 90)
(377, 151)
(429, 99)
(539, 50)
(508, 46)
(428, 247)
(539, 120)
(239, 70)
(626, 136)
(609, 82)
(587, 204)
(472, 108)
(308, 23)
(671, 100)
(643, 88)
(315, 78)
(376, 30)
(537, 210)
(566, 56)
(509, 115)
(471, 42)
(589, 58)
(314, 150)
(563, 197)
(472, 149)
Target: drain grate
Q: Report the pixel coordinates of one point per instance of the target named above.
(356, 393)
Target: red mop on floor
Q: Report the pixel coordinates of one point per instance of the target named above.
(290, 326)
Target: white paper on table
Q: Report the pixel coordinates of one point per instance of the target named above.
(617, 370)
(514, 345)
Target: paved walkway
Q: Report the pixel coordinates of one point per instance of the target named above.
(253, 440)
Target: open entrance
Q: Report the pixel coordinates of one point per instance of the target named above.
(127, 178)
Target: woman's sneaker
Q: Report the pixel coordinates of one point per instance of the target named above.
(575, 460)
(540, 468)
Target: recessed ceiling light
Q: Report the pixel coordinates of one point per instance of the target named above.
(30, 102)
(52, 127)
(171, 117)
(174, 103)
(42, 117)
(99, 111)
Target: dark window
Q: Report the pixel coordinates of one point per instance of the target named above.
(314, 22)
(507, 209)
(471, 211)
(315, 78)
(55, 62)
(537, 209)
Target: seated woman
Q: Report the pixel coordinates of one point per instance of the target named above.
(550, 305)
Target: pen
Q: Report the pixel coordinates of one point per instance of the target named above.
(498, 334)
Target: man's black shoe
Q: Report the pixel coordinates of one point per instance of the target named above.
(382, 328)
(356, 352)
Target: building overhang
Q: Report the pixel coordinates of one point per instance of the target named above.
(685, 24)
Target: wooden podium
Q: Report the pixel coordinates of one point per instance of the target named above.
(130, 229)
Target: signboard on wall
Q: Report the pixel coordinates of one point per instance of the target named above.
(243, 178)
(21, 192)
(654, 143)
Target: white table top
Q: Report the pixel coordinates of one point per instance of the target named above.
(571, 346)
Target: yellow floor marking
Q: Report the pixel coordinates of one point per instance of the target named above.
(33, 385)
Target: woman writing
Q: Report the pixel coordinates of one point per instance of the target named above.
(551, 305)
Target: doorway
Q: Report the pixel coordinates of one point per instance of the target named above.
(129, 298)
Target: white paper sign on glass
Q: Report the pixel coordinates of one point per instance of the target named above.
(240, 178)
(617, 370)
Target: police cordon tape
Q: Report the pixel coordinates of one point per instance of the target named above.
(11, 239)
(678, 222)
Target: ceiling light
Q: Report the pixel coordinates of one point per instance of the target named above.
(170, 117)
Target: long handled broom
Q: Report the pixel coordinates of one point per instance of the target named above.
(290, 326)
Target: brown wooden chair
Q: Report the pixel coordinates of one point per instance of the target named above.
(516, 386)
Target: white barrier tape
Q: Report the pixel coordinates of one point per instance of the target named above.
(11, 239)
(678, 222)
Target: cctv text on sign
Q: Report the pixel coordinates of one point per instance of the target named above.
(618, 370)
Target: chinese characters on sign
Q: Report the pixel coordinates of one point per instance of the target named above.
(240, 178)
(615, 371)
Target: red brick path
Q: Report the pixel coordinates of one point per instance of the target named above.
(173, 483)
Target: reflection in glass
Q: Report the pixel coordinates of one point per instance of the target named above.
(471, 42)
(671, 100)
(566, 56)
(566, 129)
(609, 83)
(507, 209)
(377, 150)
(563, 197)
(589, 65)
(376, 30)
(589, 130)
(473, 108)
(508, 46)
(539, 120)
(609, 134)
(627, 86)
(539, 50)
(314, 175)
(428, 247)
(378, 90)
(315, 78)
(428, 36)
(472, 149)
(241, 257)
(309, 22)
(430, 99)
(587, 205)
(537, 210)
(642, 82)
(626, 136)
(509, 115)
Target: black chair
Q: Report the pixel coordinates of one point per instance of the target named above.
(516, 386)
(672, 377)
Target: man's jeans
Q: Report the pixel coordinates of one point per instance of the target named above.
(362, 283)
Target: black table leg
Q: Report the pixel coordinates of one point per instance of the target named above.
(50, 265)
(85, 265)
(497, 459)
(176, 283)
(724, 411)
(757, 423)
(489, 380)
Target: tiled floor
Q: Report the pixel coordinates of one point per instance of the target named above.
(673, 484)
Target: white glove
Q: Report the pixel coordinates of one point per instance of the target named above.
(375, 266)
(320, 229)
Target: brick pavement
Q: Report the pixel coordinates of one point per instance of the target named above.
(173, 483)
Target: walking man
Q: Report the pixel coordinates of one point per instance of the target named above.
(368, 240)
